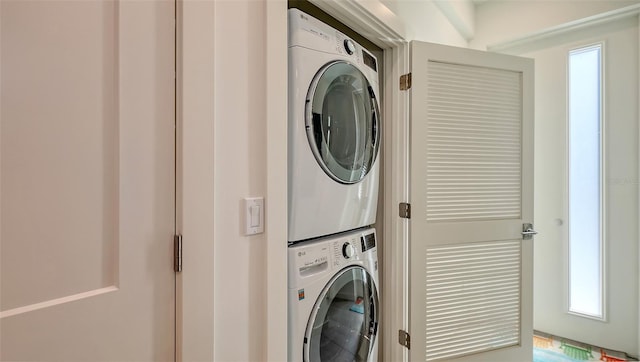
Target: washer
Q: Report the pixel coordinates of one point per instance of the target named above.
(333, 298)
(334, 131)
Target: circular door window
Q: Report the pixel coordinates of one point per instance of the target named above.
(344, 322)
(342, 122)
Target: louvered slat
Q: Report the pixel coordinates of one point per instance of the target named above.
(472, 298)
(473, 143)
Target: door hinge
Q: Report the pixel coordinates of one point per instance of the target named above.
(404, 210)
(177, 253)
(404, 338)
(405, 81)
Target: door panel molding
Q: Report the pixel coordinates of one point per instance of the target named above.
(88, 180)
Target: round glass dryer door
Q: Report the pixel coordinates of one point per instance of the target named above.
(342, 122)
(344, 322)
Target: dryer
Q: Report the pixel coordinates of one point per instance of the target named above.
(334, 131)
(333, 299)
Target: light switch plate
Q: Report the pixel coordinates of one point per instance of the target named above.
(254, 215)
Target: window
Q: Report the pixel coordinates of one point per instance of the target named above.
(585, 182)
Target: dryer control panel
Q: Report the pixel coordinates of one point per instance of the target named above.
(346, 46)
(309, 32)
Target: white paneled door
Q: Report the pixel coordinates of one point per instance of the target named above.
(471, 192)
(87, 181)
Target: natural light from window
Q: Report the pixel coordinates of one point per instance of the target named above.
(585, 181)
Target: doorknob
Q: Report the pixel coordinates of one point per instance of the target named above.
(528, 232)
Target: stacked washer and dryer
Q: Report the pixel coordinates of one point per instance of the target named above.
(334, 141)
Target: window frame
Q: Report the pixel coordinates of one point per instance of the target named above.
(602, 183)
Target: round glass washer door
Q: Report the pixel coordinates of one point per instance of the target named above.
(342, 122)
(344, 322)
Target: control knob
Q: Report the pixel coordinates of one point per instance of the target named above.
(349, 46)
(348, 250)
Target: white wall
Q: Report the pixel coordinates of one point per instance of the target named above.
(232, 133)
(500, 21)
(223, 303)
(240, 171)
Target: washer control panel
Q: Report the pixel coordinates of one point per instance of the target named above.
(313, 258)
(368, 242)
(346, 249)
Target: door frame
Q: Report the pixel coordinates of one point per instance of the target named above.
(390, 33)
(195, 60)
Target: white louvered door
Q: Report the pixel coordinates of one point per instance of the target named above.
(471, 191)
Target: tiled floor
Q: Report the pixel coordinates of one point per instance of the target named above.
(548, 348)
